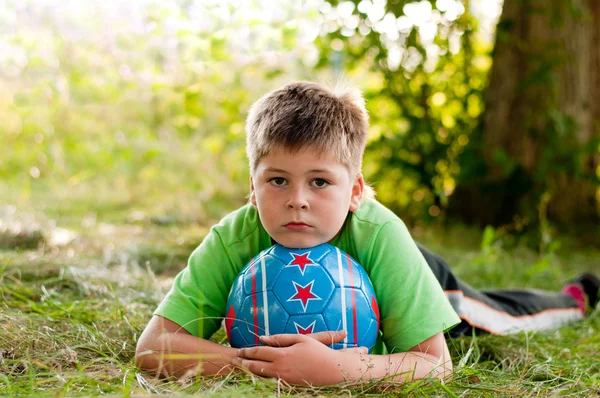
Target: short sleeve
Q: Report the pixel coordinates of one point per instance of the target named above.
(198, 297)
(412, 304)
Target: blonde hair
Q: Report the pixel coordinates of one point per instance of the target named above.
(309, 115)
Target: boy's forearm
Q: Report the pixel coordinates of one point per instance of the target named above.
(175, 354)
(401, 367)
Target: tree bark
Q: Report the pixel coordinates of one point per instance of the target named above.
(579, 88)
(545, 79)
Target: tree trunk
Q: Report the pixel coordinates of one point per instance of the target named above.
(542, 108)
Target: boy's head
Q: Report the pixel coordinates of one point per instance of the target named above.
(304, 115)
(305, 145)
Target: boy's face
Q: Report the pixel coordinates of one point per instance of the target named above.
(303, 198)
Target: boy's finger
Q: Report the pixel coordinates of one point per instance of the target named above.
(259, 368)
(282, 340)
(329, 337)
(268, 354)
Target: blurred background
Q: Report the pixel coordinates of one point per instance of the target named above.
(482, 113)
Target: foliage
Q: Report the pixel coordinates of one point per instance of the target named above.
(145, 99)
(160, 97)
(426, 69)
(427, 64)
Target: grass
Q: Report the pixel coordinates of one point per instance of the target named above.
(78, 286)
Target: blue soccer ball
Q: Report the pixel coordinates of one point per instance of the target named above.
(302, 291)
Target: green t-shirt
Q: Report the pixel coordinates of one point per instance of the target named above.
(412, 304)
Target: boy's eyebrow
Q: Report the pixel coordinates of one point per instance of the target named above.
(276, 170)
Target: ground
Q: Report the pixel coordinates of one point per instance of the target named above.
(79, 283)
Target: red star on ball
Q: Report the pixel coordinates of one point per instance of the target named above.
(301, 261)
(304, 294)
(307, 330)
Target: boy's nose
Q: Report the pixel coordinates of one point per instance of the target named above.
(297, 200)
(297, 206)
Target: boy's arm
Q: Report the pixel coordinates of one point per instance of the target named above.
(297, 359)
(429, 359)
(167, 349)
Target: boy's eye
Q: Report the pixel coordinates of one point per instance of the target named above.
(319, 183)
(277, 181)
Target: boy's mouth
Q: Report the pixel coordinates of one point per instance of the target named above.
(296, 226)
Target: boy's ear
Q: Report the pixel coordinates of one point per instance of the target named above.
(357, 192)
(252, 194)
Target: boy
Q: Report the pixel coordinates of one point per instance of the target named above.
(305, 145)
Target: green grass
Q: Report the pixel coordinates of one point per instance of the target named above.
(78, 284)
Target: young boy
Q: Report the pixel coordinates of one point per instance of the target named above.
(305, 145)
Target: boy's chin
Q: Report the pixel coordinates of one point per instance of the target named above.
(299, 243)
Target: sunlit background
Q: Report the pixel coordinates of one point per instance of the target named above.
(142, 103)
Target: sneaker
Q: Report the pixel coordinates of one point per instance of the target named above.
(589, 284)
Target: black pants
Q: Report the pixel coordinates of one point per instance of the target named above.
(501, 311)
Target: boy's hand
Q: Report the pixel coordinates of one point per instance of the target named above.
(296, 358)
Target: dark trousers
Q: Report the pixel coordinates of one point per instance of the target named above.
(501, 311)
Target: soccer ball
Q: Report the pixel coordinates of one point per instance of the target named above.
(302, 291)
